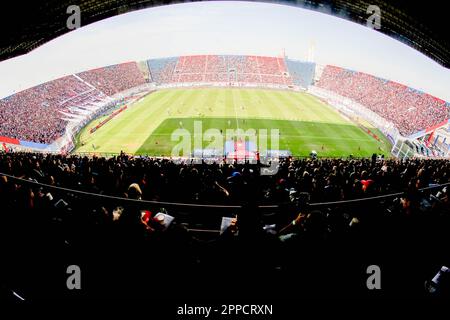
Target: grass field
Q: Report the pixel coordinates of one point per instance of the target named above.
(304, 122)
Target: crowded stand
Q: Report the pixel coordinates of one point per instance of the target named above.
(392, 101)
(217, 77)
(297, 240)
(190, 77)
(115, 78)
(272, 66)
(216, 64)
(40, 114)
(34, 114)
(191, 64)
(250, 65)
(231, 68)
(248, 78)
(236, 63)
(82, 104)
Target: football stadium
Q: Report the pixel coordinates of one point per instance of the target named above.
(135, 106)
(174, 172)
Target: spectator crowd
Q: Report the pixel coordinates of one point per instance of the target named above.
(284, 234)
(223, 68)
(410, 110)
(115, 78)
(40, 114)
(32, 114)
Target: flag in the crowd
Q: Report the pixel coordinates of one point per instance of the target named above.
(5, 147)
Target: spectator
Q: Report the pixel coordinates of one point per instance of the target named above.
(410, 110)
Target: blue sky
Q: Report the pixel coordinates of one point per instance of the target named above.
(225, 28)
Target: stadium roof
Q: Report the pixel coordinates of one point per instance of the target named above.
(27, 26)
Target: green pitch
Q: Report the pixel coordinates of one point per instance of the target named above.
(304, 122)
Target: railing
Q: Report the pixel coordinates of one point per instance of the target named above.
(206, 217)
(111, 154)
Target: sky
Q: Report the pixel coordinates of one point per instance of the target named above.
(246, 28)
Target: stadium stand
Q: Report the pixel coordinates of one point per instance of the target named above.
(216, 64)
(40, 114)
(251, 65)
(318, 254)
(270, 65)
(191, 64)
(393, 101)
(114, 79)
(34, 114)
(228, 68)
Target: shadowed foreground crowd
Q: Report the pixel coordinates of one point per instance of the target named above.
(297, 249)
